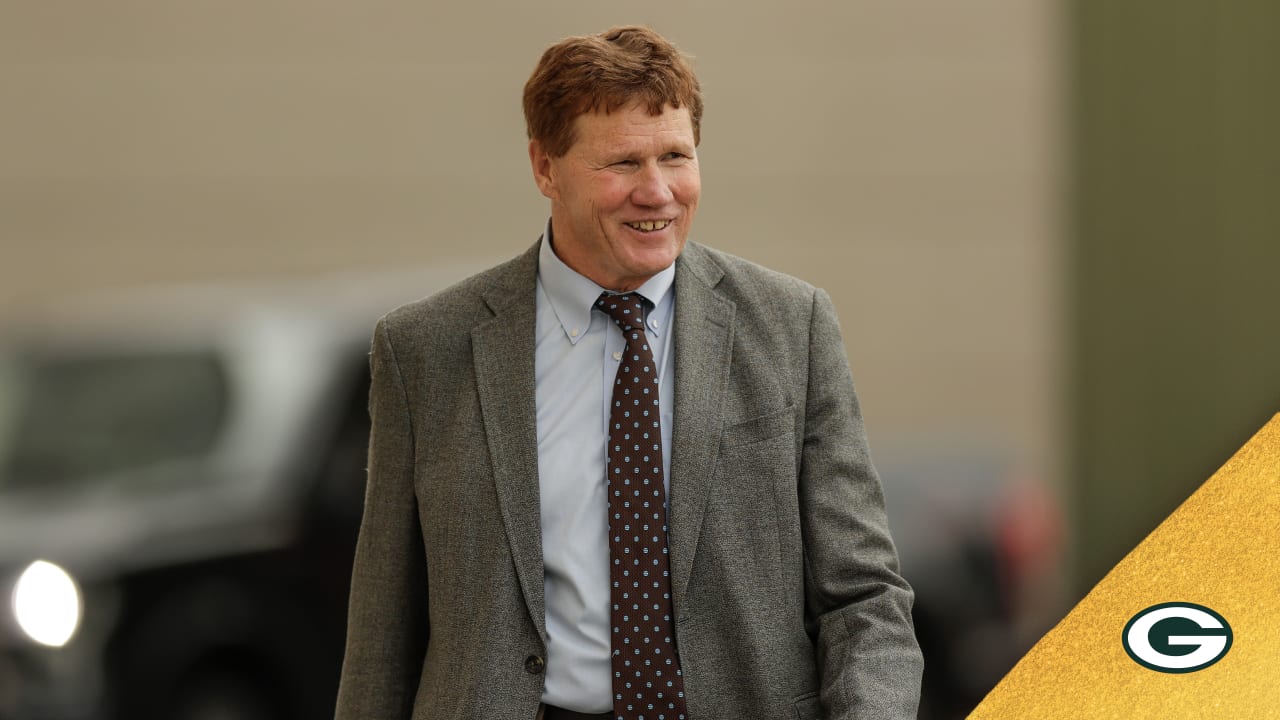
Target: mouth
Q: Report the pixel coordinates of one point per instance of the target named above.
(649, 225)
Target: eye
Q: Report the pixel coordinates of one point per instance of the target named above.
(624, 164)
(673, 155)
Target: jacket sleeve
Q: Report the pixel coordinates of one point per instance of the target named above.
(387, 626)
(868, 659)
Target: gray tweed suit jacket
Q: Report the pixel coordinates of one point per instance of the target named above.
(787, 597)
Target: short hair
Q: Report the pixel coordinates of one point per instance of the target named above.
(608, 71)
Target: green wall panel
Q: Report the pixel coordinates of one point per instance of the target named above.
(1176, 220)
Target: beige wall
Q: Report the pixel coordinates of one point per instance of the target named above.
(902, 154)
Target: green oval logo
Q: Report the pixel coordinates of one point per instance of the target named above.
(1177, 637)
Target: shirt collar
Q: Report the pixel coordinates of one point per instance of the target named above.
(573, 296)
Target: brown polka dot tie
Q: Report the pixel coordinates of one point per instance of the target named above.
(647, 682)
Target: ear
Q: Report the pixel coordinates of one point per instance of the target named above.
(543, 172)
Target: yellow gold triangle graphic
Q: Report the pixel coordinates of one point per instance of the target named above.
(1219, 550)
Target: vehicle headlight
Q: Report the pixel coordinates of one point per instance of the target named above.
(46, 604)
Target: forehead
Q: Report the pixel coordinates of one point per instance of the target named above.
(633, 128)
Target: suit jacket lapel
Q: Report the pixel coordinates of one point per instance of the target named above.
(703, 342)
(505, 380)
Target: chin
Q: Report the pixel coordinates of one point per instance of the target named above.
(651, 263)
(657, 251)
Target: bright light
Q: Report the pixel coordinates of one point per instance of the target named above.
(46, 603)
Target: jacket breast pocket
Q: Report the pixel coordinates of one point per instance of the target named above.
(808, 707)
(759, 455)
(758, 429)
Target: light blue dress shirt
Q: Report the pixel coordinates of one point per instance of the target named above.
(576, 359)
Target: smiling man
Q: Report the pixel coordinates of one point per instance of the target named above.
(623, 196)
(622, 475)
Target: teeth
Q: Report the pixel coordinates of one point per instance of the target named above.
(650, 225)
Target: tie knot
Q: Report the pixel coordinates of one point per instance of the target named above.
(627, 309)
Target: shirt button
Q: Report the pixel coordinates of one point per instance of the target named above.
(573, 332)
(617, 355)
(534, 664)
(653, 324)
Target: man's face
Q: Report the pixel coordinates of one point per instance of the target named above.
(624, 195)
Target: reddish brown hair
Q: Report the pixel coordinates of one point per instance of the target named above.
(606, 72)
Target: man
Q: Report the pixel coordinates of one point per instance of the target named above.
(622, 475)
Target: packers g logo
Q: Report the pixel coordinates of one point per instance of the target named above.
(1177, 637)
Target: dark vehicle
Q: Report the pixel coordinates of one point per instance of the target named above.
(181, 483)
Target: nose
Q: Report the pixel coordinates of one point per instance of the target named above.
(652, 187)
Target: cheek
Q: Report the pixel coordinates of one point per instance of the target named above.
(688, 189)
(612, 196)
(690, 195)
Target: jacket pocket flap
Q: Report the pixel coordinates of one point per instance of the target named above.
(760, 428)
(808, 706)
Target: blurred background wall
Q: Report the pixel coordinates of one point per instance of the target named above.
(1047, 226)
(903, 155)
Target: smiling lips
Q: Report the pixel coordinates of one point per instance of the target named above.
(649, 225)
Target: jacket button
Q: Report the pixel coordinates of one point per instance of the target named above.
(534, 664)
